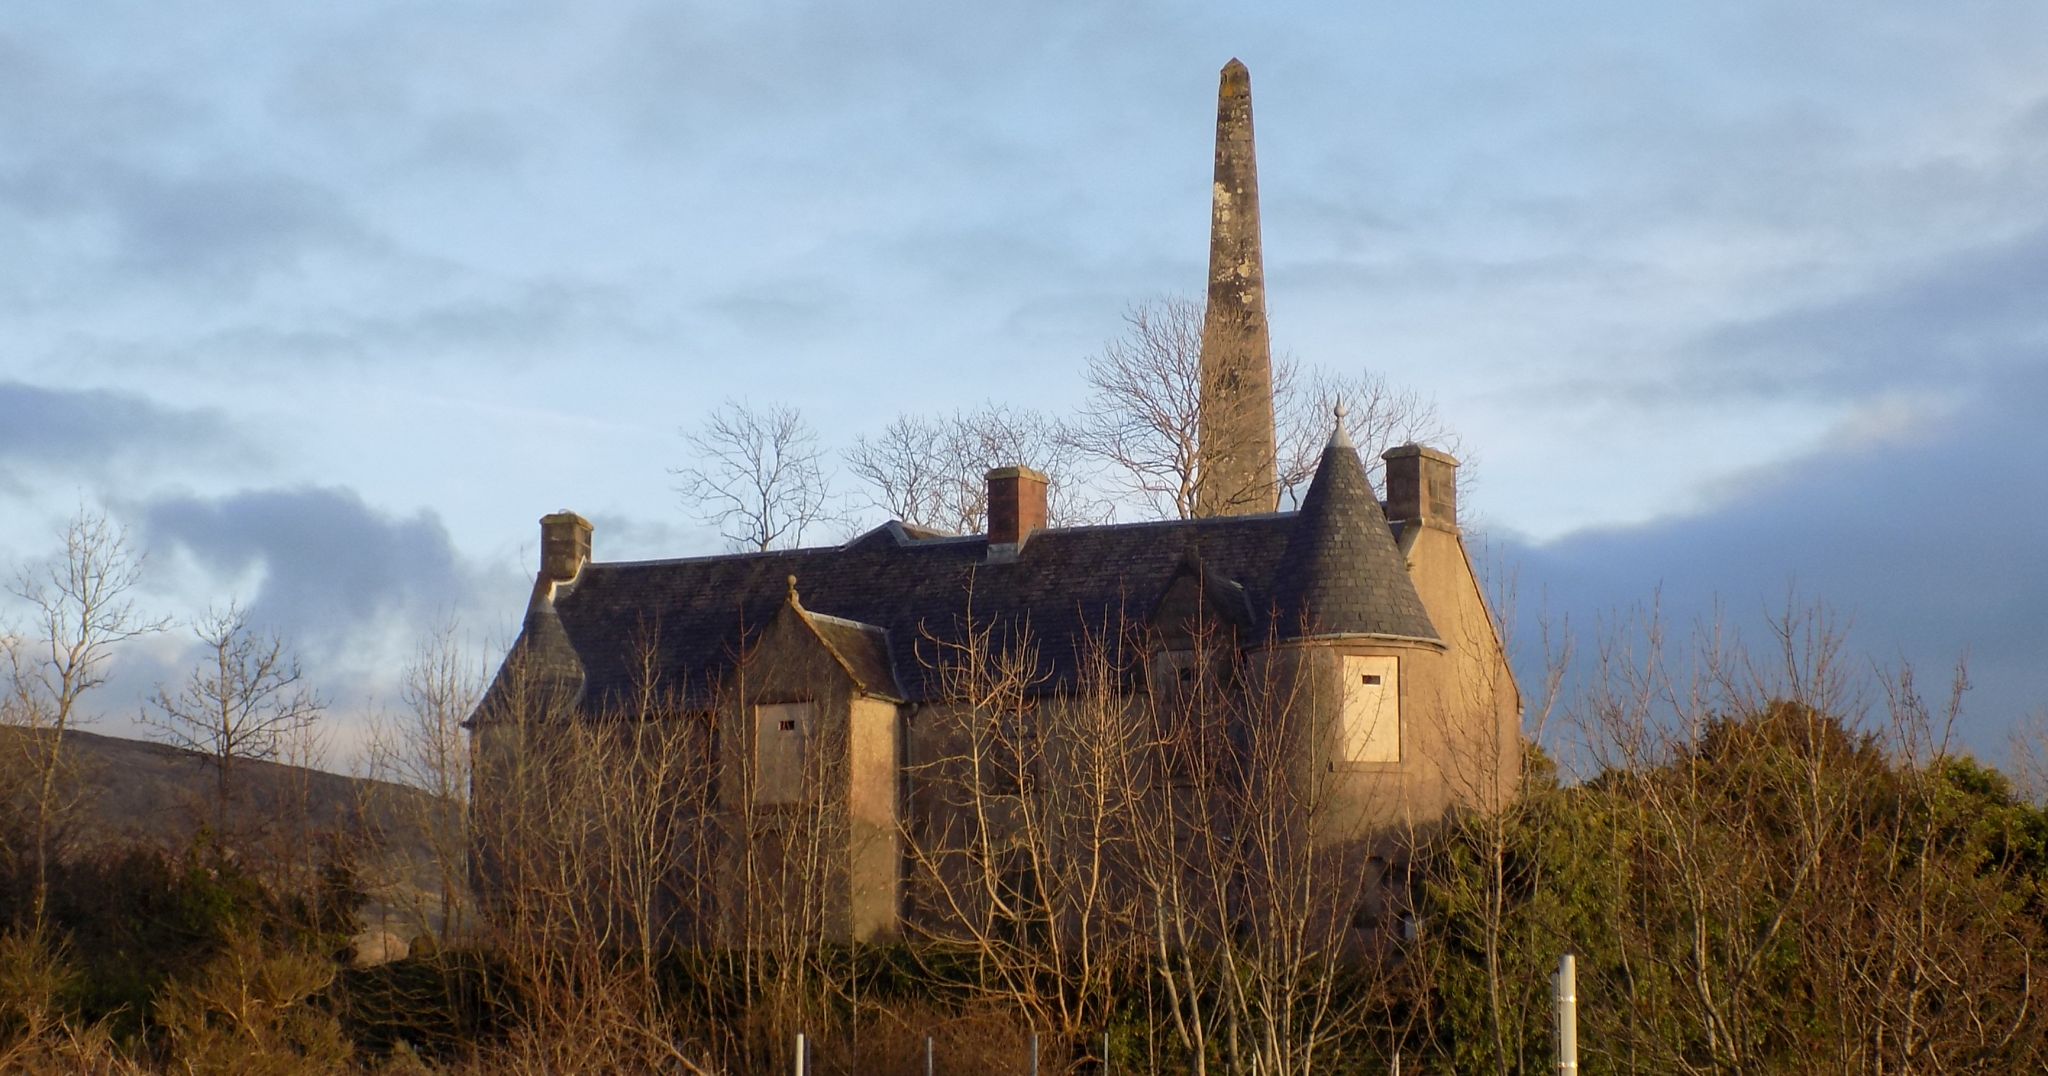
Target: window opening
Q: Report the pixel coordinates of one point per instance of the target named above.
(782, 747)
(1370, 723)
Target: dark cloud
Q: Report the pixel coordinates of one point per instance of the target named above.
(1929, 546)
(332, 567)
(112, 165)
(1921, 526)
(52, 108)
(227, 227)
(84, 432)
(508, 328)
(1978, 311)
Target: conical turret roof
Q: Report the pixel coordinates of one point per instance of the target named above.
(1342, 574)
(542, 671)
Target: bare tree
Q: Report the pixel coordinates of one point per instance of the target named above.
(759, 476)
(1143, 417)
(2029, 747)
(1026, 858)
(1254, 875)
(930, 471)
(910, 473)
(425, 748)
(245, 700)
(1378, 417)
(79, 610)
(596, 834)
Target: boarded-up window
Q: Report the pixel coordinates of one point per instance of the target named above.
(1372, 709)
(1174, 673)
(1180, 695)
(782, 739)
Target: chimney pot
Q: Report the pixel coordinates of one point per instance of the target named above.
(564, 545)
(1016, 506)
(1422, 486)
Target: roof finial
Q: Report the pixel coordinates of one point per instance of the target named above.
(792, 590)
(1339, 437)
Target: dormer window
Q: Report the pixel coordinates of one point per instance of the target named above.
(1370, 726)
(782, 744)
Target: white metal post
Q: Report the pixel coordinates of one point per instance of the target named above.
(1566, 982)
(801, 1068)
(927, 1055)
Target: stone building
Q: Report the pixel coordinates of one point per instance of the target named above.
(851, 685)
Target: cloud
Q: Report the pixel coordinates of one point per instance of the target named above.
(518, 321)
(1919, 516)
(51, 107)
(350, 589)
(1957, 319)
(126, 169)
(225, 227)
(1926, 540)
(634, 537)
(332, 567)
(86, 432)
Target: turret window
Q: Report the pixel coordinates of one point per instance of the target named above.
(1371, 721)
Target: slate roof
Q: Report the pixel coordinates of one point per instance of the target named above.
(880, 600)
(1343, 573)
(862, 650)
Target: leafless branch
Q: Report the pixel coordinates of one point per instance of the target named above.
(245, 700)
(929, 471)
(80, 610)
(758, 475)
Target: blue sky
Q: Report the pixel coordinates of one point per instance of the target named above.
(329, 303)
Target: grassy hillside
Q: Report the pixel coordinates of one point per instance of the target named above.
(134, 791)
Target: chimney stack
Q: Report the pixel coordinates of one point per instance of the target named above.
(1422, 486)
(564, 545)
(1016, 507)
(1236, 458)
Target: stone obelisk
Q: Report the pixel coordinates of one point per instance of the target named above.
(1236, 472)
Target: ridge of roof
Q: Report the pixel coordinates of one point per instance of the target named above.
(844, 622)
(1192, 521)
(750, 554)
(861, 543)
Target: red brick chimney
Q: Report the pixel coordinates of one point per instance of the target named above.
(1016, 507)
